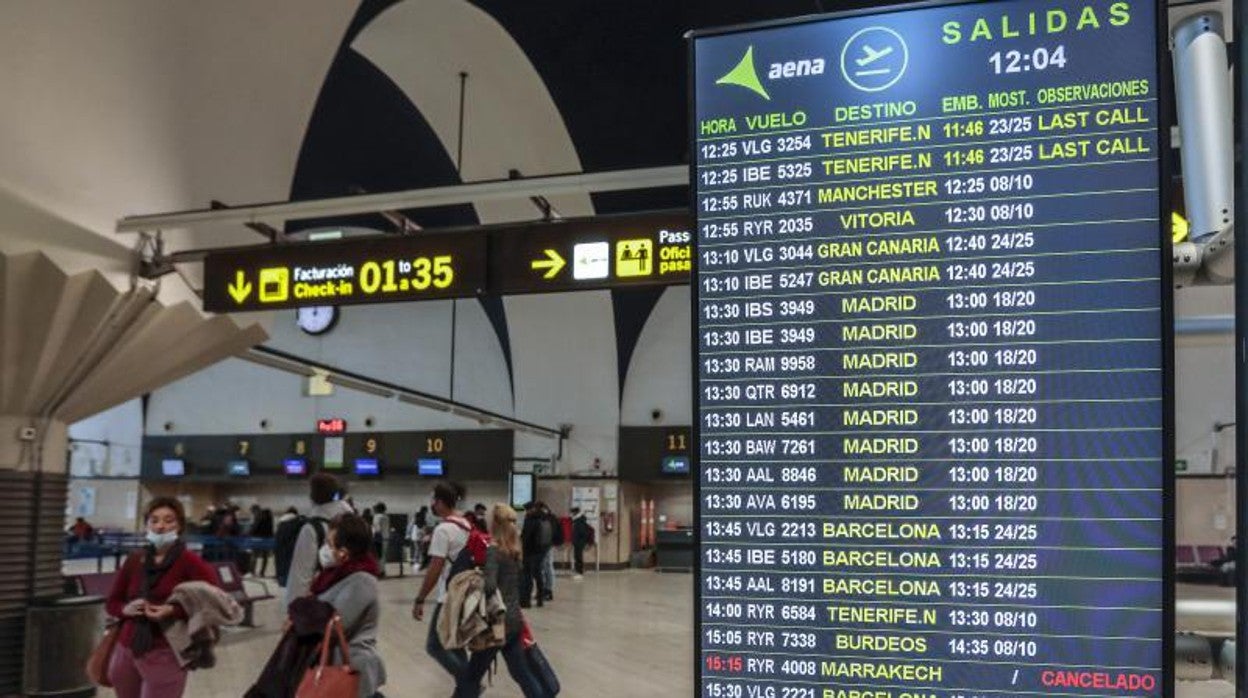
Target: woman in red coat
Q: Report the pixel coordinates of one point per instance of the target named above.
(143, 665)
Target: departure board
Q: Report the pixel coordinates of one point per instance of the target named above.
(931, 309)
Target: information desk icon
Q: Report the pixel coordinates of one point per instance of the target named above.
(634, 257)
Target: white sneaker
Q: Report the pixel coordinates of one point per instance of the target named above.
(578, 577)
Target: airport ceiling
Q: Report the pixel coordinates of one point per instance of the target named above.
(614, 73)
(141, 106)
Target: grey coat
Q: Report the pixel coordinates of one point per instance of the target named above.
(355, 600)
(503, 573)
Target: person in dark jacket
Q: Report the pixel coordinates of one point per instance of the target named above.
(262, 526)
(503, 567)
(556, 541)
(295, 652)
(582, 534)
(143, 665)
(536, 539)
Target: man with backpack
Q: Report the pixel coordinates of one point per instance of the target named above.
(302, 549)
(582, 537)
(548, 562)
(537, 536)
(450, 537)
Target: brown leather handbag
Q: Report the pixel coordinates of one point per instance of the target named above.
(101, 656)
(331, 681)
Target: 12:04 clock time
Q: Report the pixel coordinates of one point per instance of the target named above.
(1041, 58)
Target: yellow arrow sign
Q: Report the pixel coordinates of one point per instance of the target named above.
(552, 264)
(240, 289)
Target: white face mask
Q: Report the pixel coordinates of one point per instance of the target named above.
(162, 540)
(328, 559)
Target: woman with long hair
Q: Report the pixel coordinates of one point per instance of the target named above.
(502, 572)
(143, 665)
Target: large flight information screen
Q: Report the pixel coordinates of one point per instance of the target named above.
(931, 314)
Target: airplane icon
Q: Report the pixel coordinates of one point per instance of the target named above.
(874, 58)
(871, 56)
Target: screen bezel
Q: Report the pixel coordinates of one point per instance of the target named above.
(1163, 71)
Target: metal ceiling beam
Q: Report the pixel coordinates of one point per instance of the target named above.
(291, 363)
(280, 212)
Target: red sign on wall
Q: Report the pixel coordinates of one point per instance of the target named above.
(331, 427)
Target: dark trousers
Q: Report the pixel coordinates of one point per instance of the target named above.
(260, 559)
(453, 661)
(469, 683)
(532, 575)
(578, 558)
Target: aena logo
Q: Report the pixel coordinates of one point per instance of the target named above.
(745, 75)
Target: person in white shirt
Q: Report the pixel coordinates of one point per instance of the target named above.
(449, 538)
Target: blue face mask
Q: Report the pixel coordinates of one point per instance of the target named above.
(162, 540)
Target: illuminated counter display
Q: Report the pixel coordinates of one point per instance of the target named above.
(931, 301)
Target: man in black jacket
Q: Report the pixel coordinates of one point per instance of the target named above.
(582, 536)
(535, 538)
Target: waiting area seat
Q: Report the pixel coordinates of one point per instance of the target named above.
(235, 584)
(1201, 562)
(246, 591)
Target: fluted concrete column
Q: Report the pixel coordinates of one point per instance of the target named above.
(32, 509)
(15, 451)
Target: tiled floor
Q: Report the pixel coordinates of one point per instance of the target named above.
(616, 634)
(612, 634)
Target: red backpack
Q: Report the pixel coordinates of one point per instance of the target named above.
(473, 554)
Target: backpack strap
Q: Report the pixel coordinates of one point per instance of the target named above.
(318, 524)
(459, 521)
(318, 529)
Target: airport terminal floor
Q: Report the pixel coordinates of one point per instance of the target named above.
(611, 634)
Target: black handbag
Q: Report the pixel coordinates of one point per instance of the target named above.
(541, 669)
(537, 662)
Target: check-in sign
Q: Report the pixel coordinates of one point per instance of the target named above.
(345, 272)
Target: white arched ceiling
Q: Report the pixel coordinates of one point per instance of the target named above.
(142, 106)
(510, 120)
(659, 376)
(564, 345)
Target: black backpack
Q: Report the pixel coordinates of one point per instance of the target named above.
(284, 540)
(545, 533)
